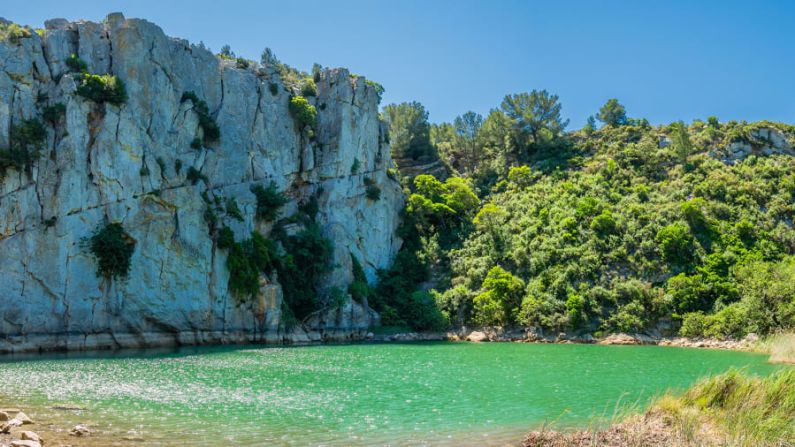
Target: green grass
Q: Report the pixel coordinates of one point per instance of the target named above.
(746, 410)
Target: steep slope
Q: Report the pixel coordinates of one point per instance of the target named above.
(142, 164)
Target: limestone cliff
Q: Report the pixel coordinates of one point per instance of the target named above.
(128, 164)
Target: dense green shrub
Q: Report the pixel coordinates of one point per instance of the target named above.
(13, 32)
(233, 210)
(246, 260)
(304, 113)
(112, 248)
(269, 201)
(308, 256)
(26, 139)
(676, 243)
(102, 88)
(308, 87)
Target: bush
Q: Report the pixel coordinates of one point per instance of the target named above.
(113, 248)
(102, 88)
(307, 257)
(13, 32)
(308, 87)
(373, 192)
(676, 243)
(26, 139)
(304, 113)
(500, 298)
(76, 64)
(269, 200)
(604, 224)
(246, 260)
(233, 210)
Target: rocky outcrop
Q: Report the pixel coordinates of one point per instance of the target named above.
(129, 164)
(761, 141)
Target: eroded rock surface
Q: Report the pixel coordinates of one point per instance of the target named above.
(128, 164)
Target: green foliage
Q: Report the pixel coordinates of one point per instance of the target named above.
(500, 296)
(246, 260)
(76, 64)
(26, 140)
(307, 258)
(54, 113)
(13, 32)
(409, 131)
(533, 112)
(102, 88)
(112, 248)
(233, 210)
(210, 129)
(304, 113)
(612, 113)
(269, 201)
(378, 88)
(308, 87)
(355, 166)
(676, 243)
(373, 192)
(625, 236)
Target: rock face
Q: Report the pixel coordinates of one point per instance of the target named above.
(761, 141)
(128, 164)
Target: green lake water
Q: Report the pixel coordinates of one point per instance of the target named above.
(367, 394)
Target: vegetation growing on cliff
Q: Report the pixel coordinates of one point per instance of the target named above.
(102, 88)
(26, 141)
(304, 113)
(627, 227)
(112, 248)
(210, 130)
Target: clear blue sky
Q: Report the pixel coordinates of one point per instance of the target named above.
(665, 60)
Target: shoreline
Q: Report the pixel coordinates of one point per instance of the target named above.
(64, 343)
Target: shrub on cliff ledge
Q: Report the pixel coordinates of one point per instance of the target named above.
(26, 140)
(269, 200)
(102, 88)
(304, 113)
(13, 32)
(246, 261)
(113, 248)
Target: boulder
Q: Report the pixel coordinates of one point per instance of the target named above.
(28, 435)
(618, 339)
(22, 417)
(477, 337)
(80, 430)
(4, 416)
(25, 443)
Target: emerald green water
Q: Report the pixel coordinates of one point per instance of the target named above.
(370, 394)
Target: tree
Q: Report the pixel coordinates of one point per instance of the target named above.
(534, 111)
(501, 295)
(409, 130)
(612, 113)
(590, 125)
(466, 129)
(681, 139)
(268, 57)
(226, 52)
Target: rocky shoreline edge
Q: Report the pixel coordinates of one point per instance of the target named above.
(531, 335)
(300, 336)
(15, 430)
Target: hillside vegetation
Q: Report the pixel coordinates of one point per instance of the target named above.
(625, 227)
